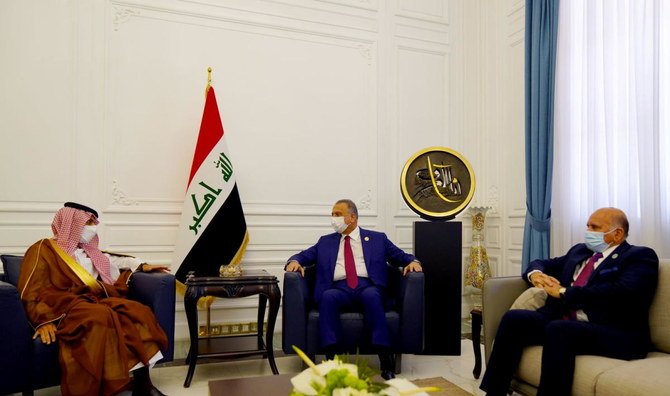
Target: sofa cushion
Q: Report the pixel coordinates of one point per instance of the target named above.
(12, 266)
(531, 299)
(638, 377)
(659, 315)
(530, 365)
(588, 369)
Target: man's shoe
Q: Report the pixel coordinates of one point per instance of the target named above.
(387, 364)
(387, 374)
(153, 391)
(330, 351)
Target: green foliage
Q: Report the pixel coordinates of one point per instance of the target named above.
(343, 378)
(364, 370)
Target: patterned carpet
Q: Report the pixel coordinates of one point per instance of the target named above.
(447, 388)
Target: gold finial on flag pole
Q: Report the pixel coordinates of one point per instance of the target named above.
(209, 80)
(209, 76)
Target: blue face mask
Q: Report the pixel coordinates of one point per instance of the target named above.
(595, 240)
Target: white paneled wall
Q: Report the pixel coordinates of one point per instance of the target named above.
(320, 99)
(494, 108)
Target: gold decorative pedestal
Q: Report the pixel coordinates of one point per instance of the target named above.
(478, 270)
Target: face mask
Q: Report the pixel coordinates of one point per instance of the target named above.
(338, 224)
(595, 240)
(88, 233)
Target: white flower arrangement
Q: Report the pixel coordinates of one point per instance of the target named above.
(339, 378)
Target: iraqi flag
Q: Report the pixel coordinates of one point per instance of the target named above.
(212, 231)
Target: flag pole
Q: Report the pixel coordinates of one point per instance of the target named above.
(208, 300)
(209, 79)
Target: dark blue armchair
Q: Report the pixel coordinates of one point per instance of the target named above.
(28, 364)
(404, 315)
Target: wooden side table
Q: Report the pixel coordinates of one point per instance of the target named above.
(248, 284)
(476, 315)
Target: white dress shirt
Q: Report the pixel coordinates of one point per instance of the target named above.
(116, 263)
(359, 260)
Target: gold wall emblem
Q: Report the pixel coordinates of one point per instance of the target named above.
(437, 183)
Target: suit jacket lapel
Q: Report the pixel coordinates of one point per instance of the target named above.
(334, 247)
(364, 246)
(611, 260)
(578, 260)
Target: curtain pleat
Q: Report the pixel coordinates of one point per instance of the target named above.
(541, 33)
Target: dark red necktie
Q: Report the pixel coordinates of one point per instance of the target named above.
(582, 278)
(586, 272)
(349, 265)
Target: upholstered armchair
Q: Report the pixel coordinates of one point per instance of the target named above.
(404, 315)
(29, 364)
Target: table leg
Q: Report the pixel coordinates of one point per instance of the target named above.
(191, 309)
(275, 297)
(476, 341)
(262, 302)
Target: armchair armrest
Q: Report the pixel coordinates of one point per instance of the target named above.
(412, 312)
(15, 341)
(498, 295)
(295, 307)
(157, 291)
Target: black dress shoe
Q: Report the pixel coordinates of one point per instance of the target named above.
(153, 391)
(387, 364)
(330, 351)
(387, 374)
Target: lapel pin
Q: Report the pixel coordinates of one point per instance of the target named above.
(615, 255)
(367, 239)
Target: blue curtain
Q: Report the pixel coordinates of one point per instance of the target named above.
(541, 28)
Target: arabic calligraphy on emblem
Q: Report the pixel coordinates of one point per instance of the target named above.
(437, 183)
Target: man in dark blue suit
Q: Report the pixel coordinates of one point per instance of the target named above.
(598, 302)
(351, 273)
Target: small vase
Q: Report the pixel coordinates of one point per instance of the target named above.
(478, 270)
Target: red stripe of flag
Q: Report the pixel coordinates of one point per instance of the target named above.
(211, 131)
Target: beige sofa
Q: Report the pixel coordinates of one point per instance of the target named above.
(594, 375)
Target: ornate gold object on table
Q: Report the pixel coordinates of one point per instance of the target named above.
(437, 183)
(234, 268)
(478, 270)
(228, 271)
